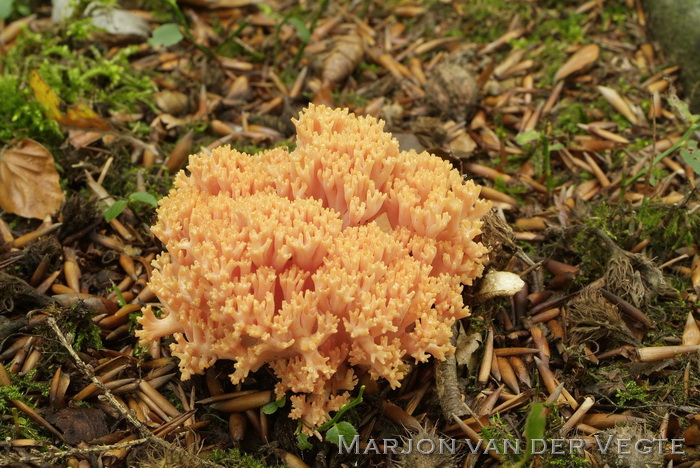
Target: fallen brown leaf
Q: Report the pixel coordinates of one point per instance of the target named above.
(29, 181)
(583, 57)
(618, 103)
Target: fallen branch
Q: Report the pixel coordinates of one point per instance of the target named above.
(146, 434)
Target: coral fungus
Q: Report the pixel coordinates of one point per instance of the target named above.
(341, 257)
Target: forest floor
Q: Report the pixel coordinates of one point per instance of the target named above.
(566, 113)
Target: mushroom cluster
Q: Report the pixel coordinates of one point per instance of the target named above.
(342, 257)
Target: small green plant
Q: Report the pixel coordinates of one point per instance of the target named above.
(538, 144)
(687, 146)
(169, 34)
(119, 205)
(335, 428)
(5, 9)
(166, 35)
(121, 302)
(272, 407)
(633, 392)
(24, 117)
(20, 388)
(294, 18)
(76, 79)
(14, 9)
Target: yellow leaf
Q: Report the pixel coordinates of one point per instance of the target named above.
(82, 116)
(45, 95)
(29, 184)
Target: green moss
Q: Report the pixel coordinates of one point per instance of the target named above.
(77, 326)
(234, 458)
(515, 191)
(350, 99)
(633, 392)
(86, 76)
(23, 116)
(570, 460)
(487, 20)
(564, 27)
(21, 388)
(569, 114)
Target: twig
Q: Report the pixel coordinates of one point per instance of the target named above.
(55, 453)
(447, 384)
(145, 433)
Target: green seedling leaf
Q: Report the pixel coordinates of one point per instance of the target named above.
(682, 108)
(5, 9)
(144, 197)
(121, 302)
(691, 156)
(166, 35)
(267, 10)
(342, 429)
(535, 425)
(303, 441)
(302, 31)
(342, 410)
(556, 147)
(114, 210)
(271, 407)
(527, 137)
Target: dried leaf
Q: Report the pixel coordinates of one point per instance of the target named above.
(79, 115)
(29, 181)
(345, 55)
(695, 274)
(618, 103)
(691, 332)
(179, 154)
(117, 22)
(466, 350)
(82, 116)
(171, 102)
(45, 95)
(80, 424)
(583, 57)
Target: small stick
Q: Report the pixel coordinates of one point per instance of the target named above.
(485, 370)
(578, 415)
(124, 412)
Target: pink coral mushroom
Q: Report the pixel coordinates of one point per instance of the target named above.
(340, 257)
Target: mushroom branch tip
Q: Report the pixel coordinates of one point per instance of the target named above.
(343, 257)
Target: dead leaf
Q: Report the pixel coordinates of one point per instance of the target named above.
(695, 274)
(29, 184)
(82, 116)
(691, 332)
(466, 348)
(179, 154)
(79, 115)
(618, 103)
(108, 19)
(80, 138)
(45, 95)
(172, 102)
(80, 424)
(583, 57)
